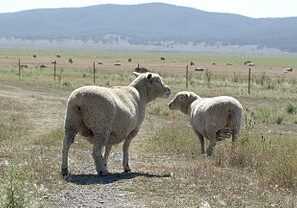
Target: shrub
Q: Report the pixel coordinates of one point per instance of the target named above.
(291, 108)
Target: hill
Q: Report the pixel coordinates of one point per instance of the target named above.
(149, 24)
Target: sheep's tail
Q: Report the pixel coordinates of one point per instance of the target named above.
(234, 118)
(233, 123)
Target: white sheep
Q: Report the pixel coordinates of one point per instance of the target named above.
(108, 116)
(214, 118)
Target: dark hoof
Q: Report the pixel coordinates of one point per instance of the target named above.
(127, 171)
(64, 172)
(102, 173)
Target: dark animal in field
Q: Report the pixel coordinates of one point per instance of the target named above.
(43, 66)
(24, 66)
(117, 64)
(162, 58)
(129, 60)
(192, 63)
(58, 56)
(288, 69)
(199, 69)
(70, 60)
(247, 62)
(34, 56)
(100, 63)
(141, 70)
(214, 63)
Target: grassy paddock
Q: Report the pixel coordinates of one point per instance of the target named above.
(270, 111)
(273, 159)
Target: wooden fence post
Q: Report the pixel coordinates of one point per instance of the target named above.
(55, 63)
(19, 68)
(187, 77)
(249, 84)
(60, 75)
(94, 72)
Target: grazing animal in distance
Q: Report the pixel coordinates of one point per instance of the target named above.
(43, 66)
(141, 70)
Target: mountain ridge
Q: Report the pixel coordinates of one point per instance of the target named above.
(149, 23)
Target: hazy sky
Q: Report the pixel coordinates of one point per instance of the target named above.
(251, 8)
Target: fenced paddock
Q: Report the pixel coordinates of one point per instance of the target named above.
(260, 173)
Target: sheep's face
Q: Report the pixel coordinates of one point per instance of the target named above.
(155, 87)
(182, 101)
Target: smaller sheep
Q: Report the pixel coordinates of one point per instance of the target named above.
(247, 62)
(24, 66)
(199, 69)
(289, 69)
(214, 118)
(42, 66)
(141, 70)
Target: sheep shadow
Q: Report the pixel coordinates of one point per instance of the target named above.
(89, 179)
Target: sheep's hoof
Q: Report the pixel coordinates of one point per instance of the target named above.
(64, 172)
(102, 173)
(127, 170)
(209, 154)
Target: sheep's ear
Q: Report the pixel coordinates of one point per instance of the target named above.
(149, 76)
(136, 74)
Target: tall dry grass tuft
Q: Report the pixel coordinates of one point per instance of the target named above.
(272, 159)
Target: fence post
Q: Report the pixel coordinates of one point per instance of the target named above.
(55, 63)
(249, 84)
(187, 76)
(19, 68)
(94, 72)
(60, 75)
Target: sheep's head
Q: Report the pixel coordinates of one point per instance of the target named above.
(182, 101)
(153, 85)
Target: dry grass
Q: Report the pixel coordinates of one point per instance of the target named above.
(231, 178)
(261, 172)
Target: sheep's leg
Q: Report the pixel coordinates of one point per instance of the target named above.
(126, 150)
(68, 140)
(99, 141)
(234, 139)
(212, 143)
(106, 154)
(201, 139)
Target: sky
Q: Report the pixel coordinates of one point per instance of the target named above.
(250, 8)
